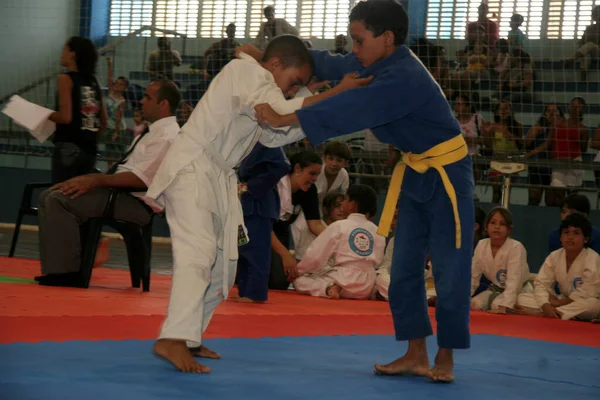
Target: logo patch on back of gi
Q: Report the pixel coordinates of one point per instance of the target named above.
(577, 282)
(361, 242)
(501, 277)
(242, 238)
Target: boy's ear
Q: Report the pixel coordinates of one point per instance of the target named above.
(388, 38)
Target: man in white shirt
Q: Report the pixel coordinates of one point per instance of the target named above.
(67, 205)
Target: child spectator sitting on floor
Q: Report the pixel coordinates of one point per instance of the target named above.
(574, 203)
(574, 270)
(355, 247)
(503, 261)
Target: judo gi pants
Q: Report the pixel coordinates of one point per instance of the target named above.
(426, 224)
(583, 309)
(254, 263)
(60, 217)
(198, 266)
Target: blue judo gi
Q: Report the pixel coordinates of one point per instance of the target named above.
(261, 171)
(405, 107)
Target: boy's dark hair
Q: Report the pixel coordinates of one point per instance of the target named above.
(123, 78)
(86, 55)
(305, 159)
(269, 9)
(330, 200)
(577, 202)
(382, 15)
(365, 197)
(508, 218)
(337, 149)
(169, 91)
(290, 50)
(577, 220)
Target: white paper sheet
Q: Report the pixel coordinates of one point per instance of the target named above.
(30, 116)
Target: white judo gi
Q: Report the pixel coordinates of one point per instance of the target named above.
(356, 249)
(581, 283)
(382, 282)
(197, 185)
(507, 271)
(301, 235)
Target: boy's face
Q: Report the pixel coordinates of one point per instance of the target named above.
(367, 48)
(333, 164)
(349, 206)
(290, 79)
(572, 239)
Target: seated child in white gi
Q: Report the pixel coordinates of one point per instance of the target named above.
(576, 269)
(355, 247)
(503, 261)
(332, 211)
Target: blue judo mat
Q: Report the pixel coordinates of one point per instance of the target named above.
(331, 367)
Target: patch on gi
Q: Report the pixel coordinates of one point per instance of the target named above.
(361, 242)
(501, 277)
(242, 238)
(577, 282)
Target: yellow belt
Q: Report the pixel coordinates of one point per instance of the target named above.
(437, 157)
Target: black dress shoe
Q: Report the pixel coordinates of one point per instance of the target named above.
(71, 279)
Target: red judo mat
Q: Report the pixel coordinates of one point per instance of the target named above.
(111, 310)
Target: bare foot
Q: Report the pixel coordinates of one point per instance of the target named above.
(334, 292)
(248, 300)
(407, 365)
(177, 353)
(442, 368)
(204, 352)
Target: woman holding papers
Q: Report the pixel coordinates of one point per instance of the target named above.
(81, 115)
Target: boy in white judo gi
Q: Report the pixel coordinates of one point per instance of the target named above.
(197, 185)
(576, 270)
(355, 247)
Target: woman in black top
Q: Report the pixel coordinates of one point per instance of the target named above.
(297, 192)
(81, 115)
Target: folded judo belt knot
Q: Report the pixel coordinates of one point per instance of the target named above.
(437, 157)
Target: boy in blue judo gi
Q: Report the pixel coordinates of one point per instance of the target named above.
(259, 174)
(405, 107)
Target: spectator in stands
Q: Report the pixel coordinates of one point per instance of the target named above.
(516, 37)
(479, 56)
(67, 205)
(502, 63)
(569, 141)
(162, 61)
(516, 84)
(297, 192)
(332, 211)
(589, 44)
(81, 114)
(473, 126)
(115, 140)
(503, 261)
(568, 284)
(490, 27)
(595, 144)
(574, 203)
(139, 124)
(185, 111)
(536, 145)
(351, 245)
(433, 58)
(505, 138)
(273, 27)
(340, 45)
(220, 53)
